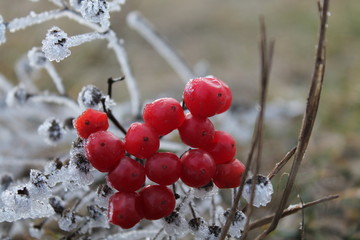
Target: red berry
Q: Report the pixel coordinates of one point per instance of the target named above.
(91, 121)
(164, 115)
(163, 168)
(206, 97)
(125, 209)
(141, 140)
(228, 100)
(198, 168)
(222, 148)
(229, 175)
(158, 201)
(104, 150)
(128, 176)
(196, 132)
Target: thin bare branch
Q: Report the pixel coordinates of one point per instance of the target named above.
(308, 119)
(281, 164)
(266, 59)
(290, 210)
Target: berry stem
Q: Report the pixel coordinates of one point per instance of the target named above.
(111, 81)
(112, 117)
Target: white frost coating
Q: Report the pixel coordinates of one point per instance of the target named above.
(57, 100)
(237, 225)
(32, 19)
(134, 235)
(55, 45)
(206, 191)
(121, 55)
(19, 203)
(16, 96)
(89, 97)
(83, 38)
(115, 5)
(175, 224)
(147, 31)
(37, 58)
(96, 11)
(2, 31)
(5, 83)
(68, 221)
(51, 130)
(263, 191)
(76, 4)
(55, 77)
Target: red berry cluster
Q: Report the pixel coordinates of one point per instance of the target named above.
(211, 159)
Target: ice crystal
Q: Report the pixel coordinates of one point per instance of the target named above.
(263, 191)
(237, 224)
(55, 45)
(206, 191)
(76, 4)
(24, 201)
(98, 217)
(96, 11)
(175, 224)
(68, 221)
(2, 31)
(90, 97)
(51, 130)
(37, 58)
(199, 228)
(103, 193)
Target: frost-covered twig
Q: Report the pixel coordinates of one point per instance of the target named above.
(146, 30)
(5, 83)
(57, 100)
(121, 55)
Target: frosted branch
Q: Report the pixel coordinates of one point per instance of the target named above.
(147, 31)
(32, 19)
(136, 234)
(2, 31)
(57, 100)
(37, 59)
(5, 84)
(121, 55)
(55, 77)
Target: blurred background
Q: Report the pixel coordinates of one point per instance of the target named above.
(223, 37)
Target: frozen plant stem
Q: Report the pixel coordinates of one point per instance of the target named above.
(55, 77)
(147, 31)
(308, 119)
(290, 210)
(266, 53)
(266, 57)
(114, 43)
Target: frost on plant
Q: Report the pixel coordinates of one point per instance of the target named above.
(2, 31)
(37, 58)
(263, 191)
(55, 45)
(96, 11)
(90, 97)
(51, 130)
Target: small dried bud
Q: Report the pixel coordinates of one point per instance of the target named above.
(96, 11)
(17, 96)
(37, 58)
(55, 45)
(57, 204)
(51, 130)
(90, 97)
(263, 191)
